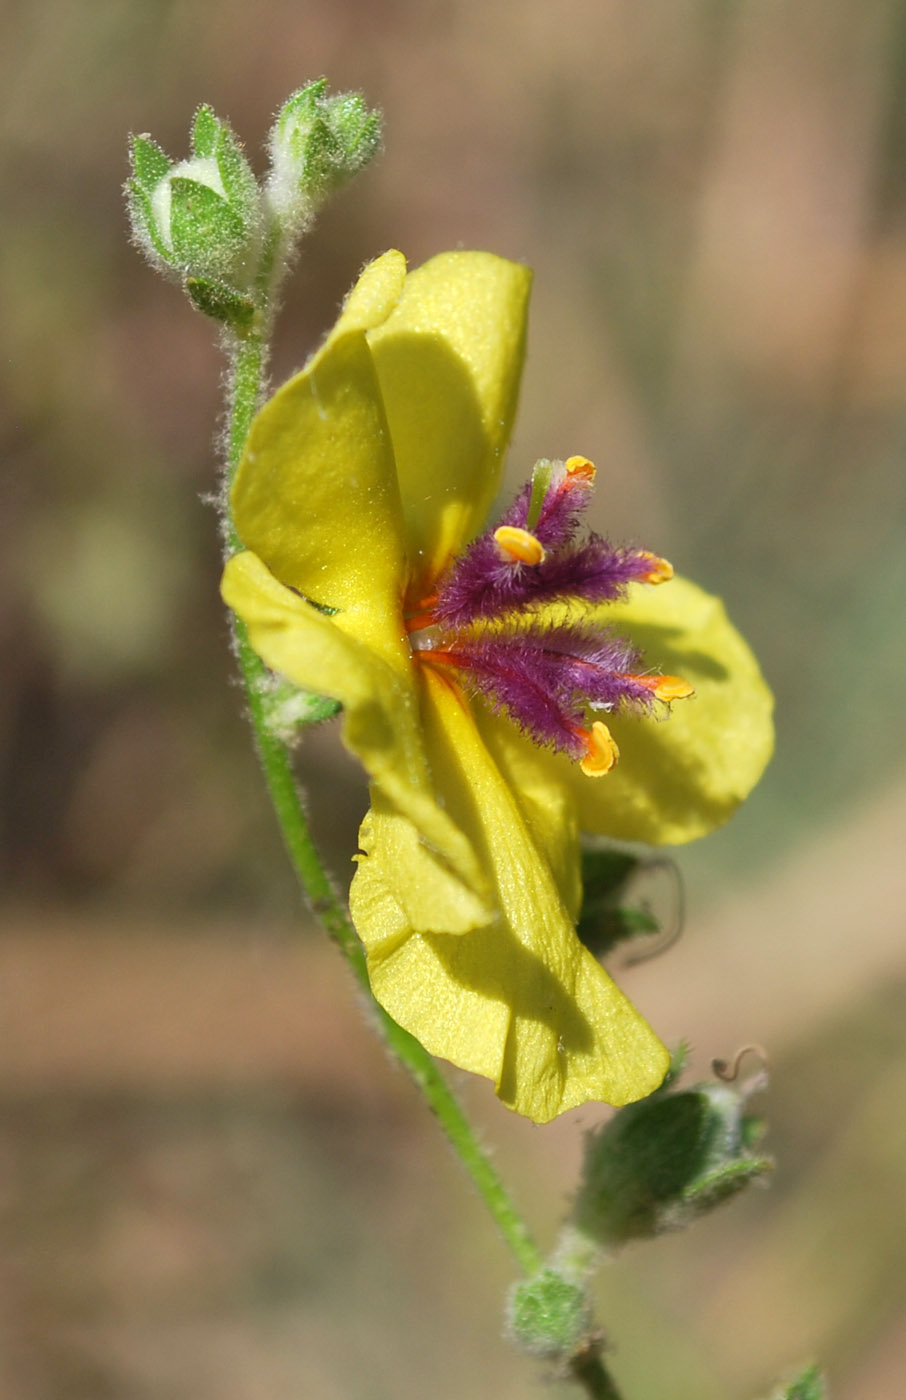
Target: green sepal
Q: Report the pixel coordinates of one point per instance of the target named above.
(221, 301)
(548, 1315)
(150, 164)
(302, 105)
(205, 126)
(357, 134)
(238, 178)
(724, 1182)
(207, 236)
(810, 1385)
(213, 138)
(144, 225)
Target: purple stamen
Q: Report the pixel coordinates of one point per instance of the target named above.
(482, 586)
(486, 620)
(547, 680)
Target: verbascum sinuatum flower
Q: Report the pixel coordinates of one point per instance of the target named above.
(505, 690)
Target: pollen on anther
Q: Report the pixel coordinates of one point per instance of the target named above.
(661, 570)
(673, 688)
(579, 469)
(665, 687)
(602, 751)
(519, 545)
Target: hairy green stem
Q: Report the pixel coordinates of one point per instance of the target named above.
(247, 373)
(589, 1371)
(248, 361)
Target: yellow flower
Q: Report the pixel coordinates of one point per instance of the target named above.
(364, 476)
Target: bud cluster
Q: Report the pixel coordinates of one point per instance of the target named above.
(206, 221)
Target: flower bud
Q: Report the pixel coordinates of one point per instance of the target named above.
(659, 1164)
(548, 1315)
(317, 143)
(199, 219)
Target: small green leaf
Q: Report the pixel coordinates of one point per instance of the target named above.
(205, 129)
(602, 926)
(221, 301)
(809, 1385)
(149, 163)
(289, 709)
(206, 234)
(607, 916)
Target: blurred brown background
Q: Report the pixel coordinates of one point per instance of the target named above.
(213, 1184)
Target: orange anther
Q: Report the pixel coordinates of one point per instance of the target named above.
(579, 468)
(602, 750)
(518, 544)
(672, 688)
(665, 687)
(661, 569)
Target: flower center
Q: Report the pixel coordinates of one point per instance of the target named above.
(516, 618)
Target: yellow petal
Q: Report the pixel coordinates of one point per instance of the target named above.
(316, 495)
(547, 808)
(449, 360)
(681, 775)
(381, 725)
(518, 1000)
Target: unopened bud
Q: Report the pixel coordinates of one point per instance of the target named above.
(317, 143)
(199, 219)
(659, 1164)
(548, 1315)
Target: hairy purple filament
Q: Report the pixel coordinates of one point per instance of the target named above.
(546, 681)
(481, 585)
(485, 618)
